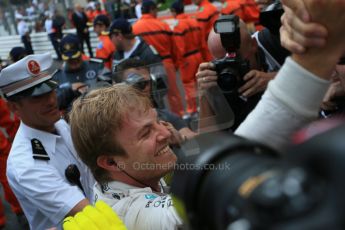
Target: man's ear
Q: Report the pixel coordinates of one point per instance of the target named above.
(108, 163)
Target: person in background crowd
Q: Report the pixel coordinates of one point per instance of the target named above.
(80, 20)
(91, 4)
(293, 98)
(105, 49)
(159, 35)
(17, 53)
(138, 8)
(130, 46)
(248, 93)
(69, 13)
(58, 25)
(42, 148)
(98, 10)
(191, 51)
(77, 75)
(206, 16)
(263, 4)
(90, 14)
(48, 24)
(24, 33)
(250, 15)
(231, 7)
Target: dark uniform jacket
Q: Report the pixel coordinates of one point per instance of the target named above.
(143, 52)
(88, 74)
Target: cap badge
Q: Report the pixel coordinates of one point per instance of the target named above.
(67, 47)
(33, 67)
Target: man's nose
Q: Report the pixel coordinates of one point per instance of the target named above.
(51, 97)
(164, 133)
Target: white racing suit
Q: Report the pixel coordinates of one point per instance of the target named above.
(139, 208)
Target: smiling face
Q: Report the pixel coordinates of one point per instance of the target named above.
(39, 112)
(145, 141)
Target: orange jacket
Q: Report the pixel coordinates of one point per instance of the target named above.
(187, 34)
(105, 50)
(10, 125)
(206, 16)
(232, 7)
(251, 12)
(8, 122)
(158, 34)
(98, 12)
(90, 16)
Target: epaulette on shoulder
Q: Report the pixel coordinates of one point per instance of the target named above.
(38, 151)
(105, 33)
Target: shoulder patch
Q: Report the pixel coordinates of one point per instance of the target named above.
(100, 45)
(38, 151)
(201, 9)
(225, 5)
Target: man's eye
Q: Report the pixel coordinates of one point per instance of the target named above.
(146, 133)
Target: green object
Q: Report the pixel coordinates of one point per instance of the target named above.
(180, 208)
(165, 5)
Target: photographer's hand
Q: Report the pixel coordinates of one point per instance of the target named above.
(256, 81)
(297, 32)
(206, 76)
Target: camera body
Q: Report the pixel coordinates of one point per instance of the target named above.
(232, 68)
(230, 71)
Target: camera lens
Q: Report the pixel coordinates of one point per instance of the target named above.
(227, 80)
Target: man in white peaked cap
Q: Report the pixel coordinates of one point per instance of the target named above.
(42, 149)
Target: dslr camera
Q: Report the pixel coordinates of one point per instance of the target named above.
(238, 184)
(232, 68)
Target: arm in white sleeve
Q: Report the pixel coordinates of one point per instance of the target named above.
(291, 100)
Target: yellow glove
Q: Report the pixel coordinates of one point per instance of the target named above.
(98, 217)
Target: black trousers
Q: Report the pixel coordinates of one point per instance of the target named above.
(27, 44)
(56, 44)
(85, 37)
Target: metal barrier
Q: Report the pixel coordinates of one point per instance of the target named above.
(40, 43)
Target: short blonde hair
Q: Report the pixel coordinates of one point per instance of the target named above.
(97, 117)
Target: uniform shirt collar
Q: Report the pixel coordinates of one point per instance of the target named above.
(47, 139)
